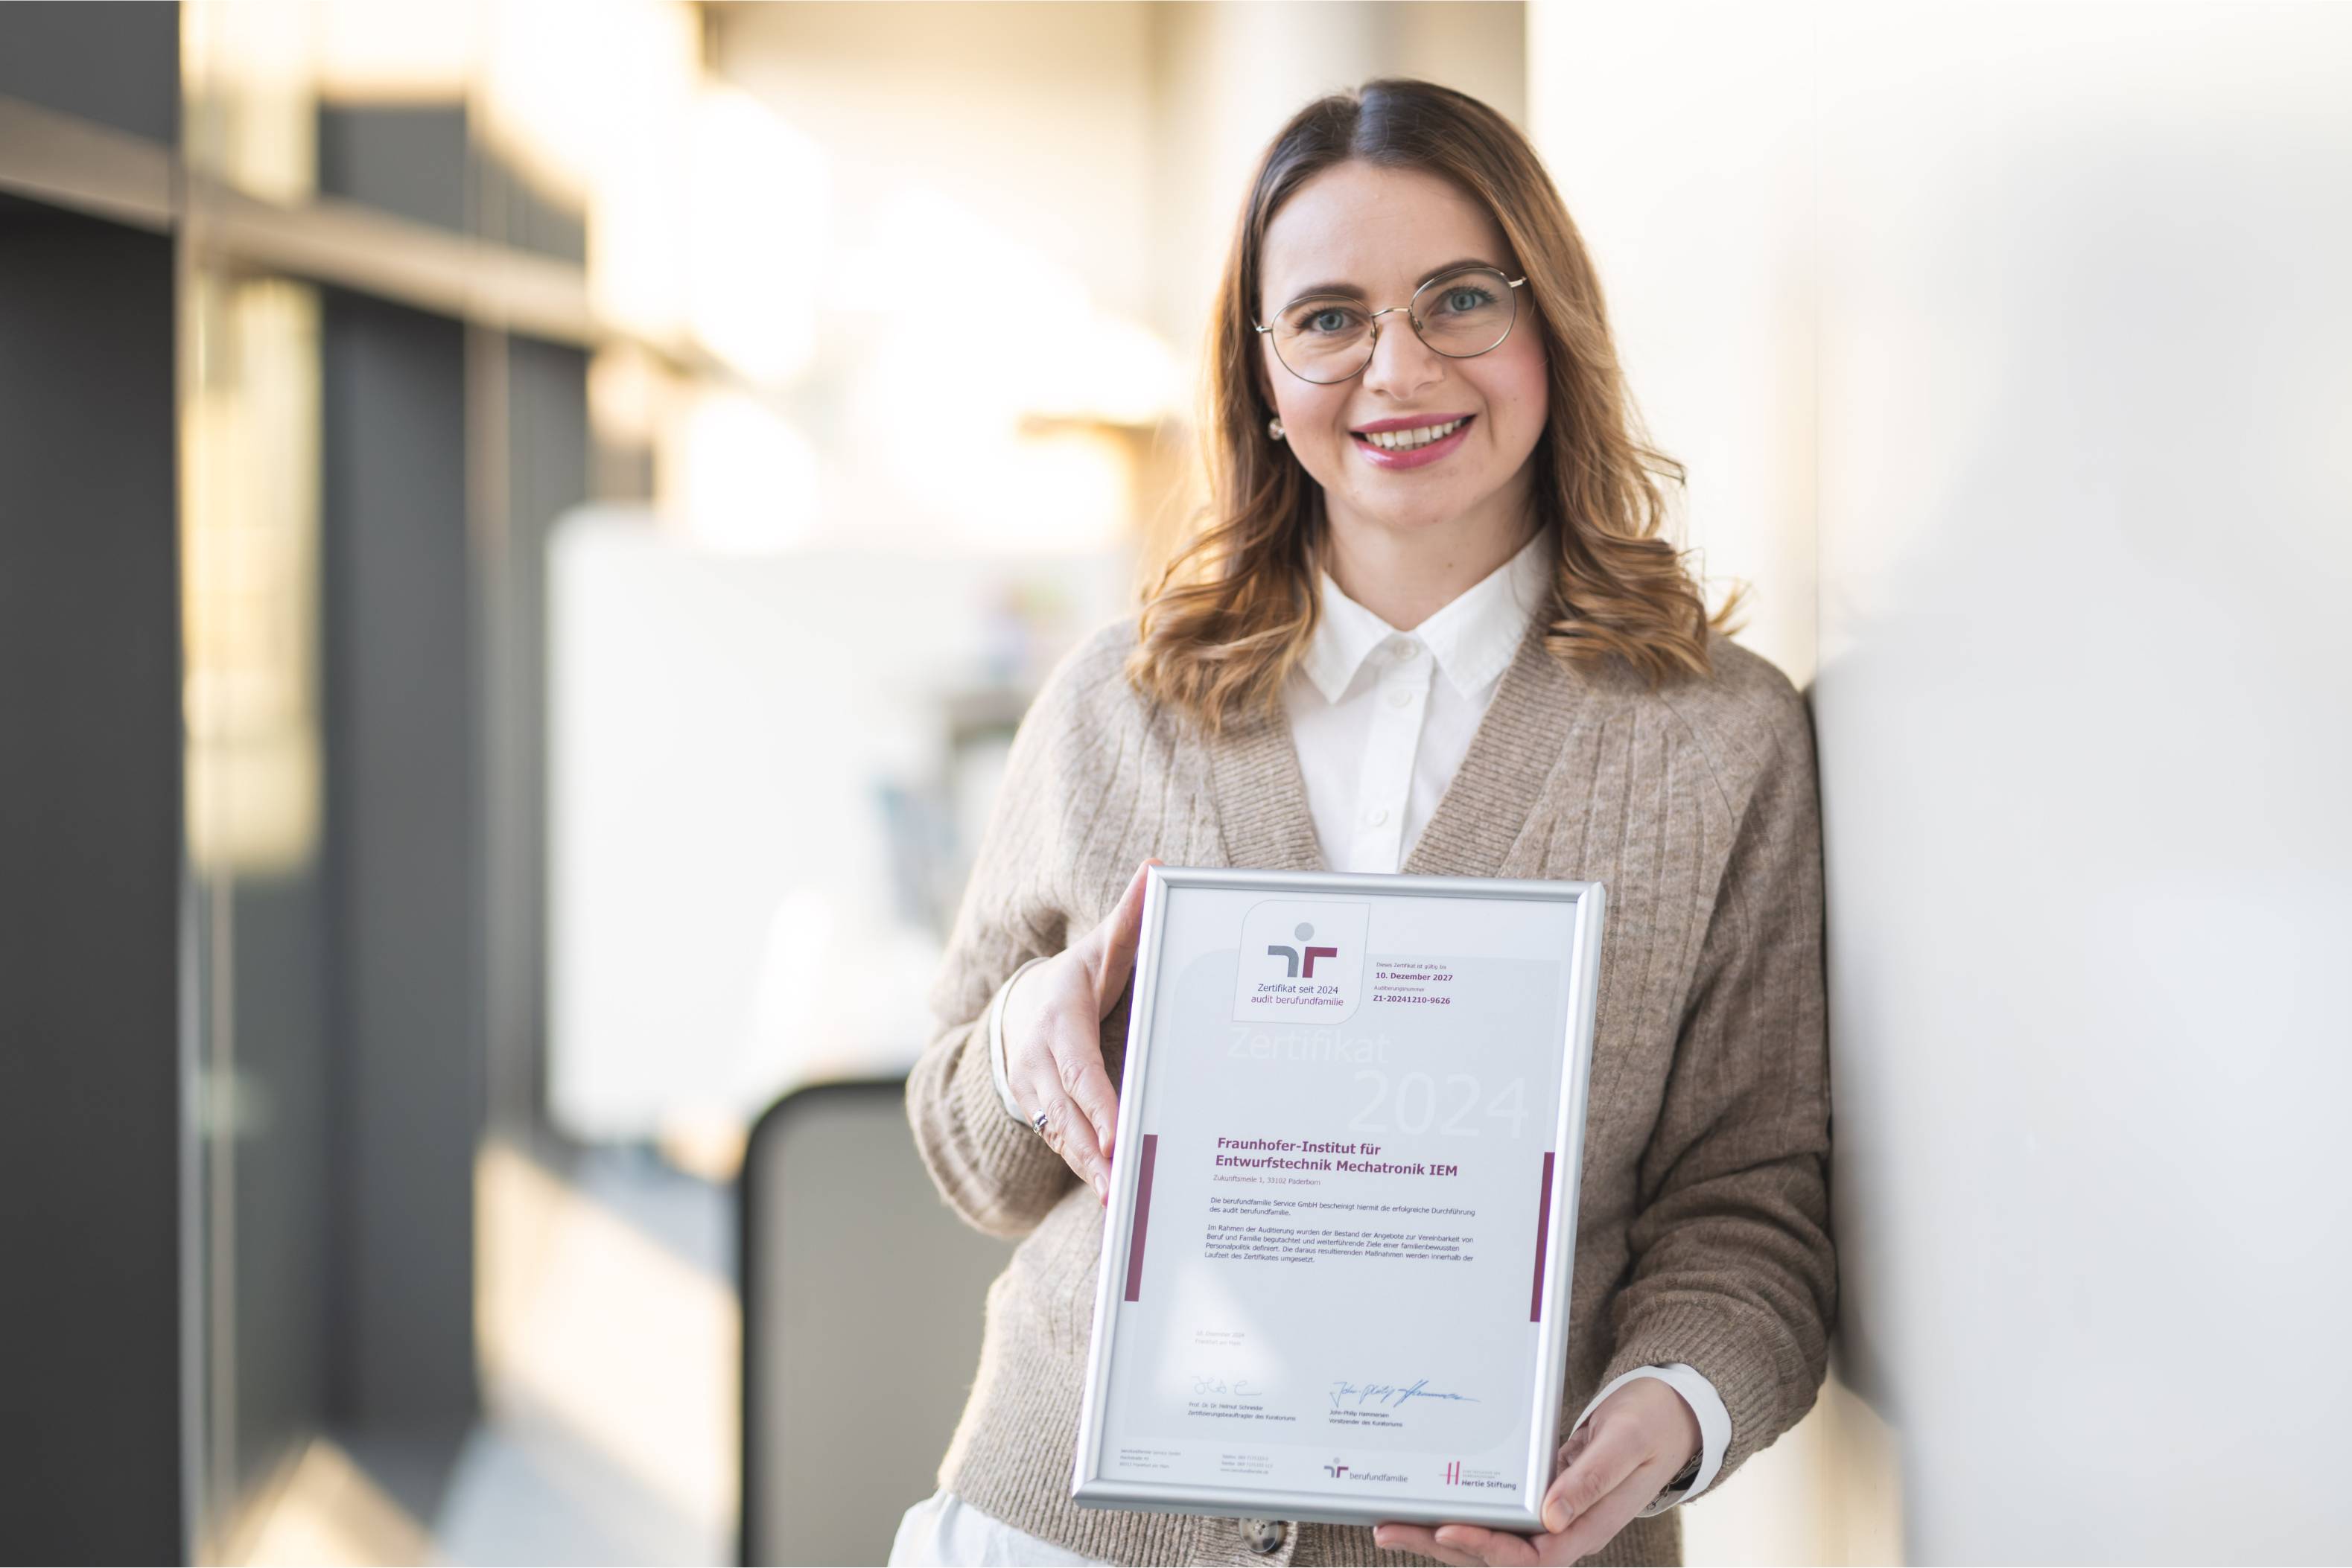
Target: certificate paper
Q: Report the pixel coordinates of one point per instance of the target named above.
(1335, 1267)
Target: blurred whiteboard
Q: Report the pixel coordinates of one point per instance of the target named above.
(722, 918)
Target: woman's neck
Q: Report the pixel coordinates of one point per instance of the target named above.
(1406, 575)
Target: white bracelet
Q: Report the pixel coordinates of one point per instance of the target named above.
(996, 1042)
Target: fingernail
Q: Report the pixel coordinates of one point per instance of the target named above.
(1555, 1518)
(1102, 1189)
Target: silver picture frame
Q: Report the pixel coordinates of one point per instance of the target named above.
(1091, 1486)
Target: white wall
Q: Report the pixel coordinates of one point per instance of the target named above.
(1677, 135)
(2071, 319)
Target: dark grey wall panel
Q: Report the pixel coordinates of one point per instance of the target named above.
(405, 158)
(546, 473)
(855, 1277)
(520, 211)
(415, 161)
(278, 947)
(402, 811)
(116, 64)
(89, 853)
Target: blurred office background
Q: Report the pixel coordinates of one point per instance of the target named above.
(526, 528)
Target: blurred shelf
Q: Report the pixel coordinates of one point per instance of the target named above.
(93, 168)
(67, 162)
(329, 240)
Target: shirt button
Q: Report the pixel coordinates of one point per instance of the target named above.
(1261, 1535)
(1404, 649)
(1376, 815)
(1400, 698)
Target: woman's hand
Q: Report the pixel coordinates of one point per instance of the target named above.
(1614, 1467)
(1053, 1037)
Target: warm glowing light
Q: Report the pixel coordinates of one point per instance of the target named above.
(247, 83)
(331, 1512)
(249, 544)
(971, 383)
(611, 117)
(735, 475)
(419, 51)
(628, 389)
(760, 199)
(573, 88)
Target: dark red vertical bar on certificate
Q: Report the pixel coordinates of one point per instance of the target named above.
(1543, 1238)
(1143, 1215)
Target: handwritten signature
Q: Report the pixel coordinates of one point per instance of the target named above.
(1203, 1383)
(1391, 1395)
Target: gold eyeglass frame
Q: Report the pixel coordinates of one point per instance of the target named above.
(1412, 314)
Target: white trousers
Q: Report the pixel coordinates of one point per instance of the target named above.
(945, 1532)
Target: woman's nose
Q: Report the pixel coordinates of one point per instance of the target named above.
(1401, 364)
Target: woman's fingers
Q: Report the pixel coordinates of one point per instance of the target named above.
(1068, 1134)
(1598, 1525)
(1054, 1037)
(1421, 1538)
(1066, 1079)
(1078, 1065)
(1499, 1547)
(1119, 932)
(1610, 1453)
(1463, 1543)
(1614, 1466)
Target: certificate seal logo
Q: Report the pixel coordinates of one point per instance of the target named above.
(1301, 962)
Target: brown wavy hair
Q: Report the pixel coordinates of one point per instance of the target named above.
(1229, 609)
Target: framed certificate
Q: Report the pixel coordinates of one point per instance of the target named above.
(1335, 1264)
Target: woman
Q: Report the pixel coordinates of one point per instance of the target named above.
(1429, 626)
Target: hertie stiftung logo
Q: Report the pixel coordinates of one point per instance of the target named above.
(1301, 962)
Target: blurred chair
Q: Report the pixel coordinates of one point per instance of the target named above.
(862, 1299)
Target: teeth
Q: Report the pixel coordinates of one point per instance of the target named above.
(1406, 440)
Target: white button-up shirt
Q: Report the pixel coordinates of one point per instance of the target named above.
(1381, 719)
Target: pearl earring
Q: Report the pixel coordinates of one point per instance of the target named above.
(1274, 428)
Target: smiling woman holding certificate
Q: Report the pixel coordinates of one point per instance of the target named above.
(1428, 626)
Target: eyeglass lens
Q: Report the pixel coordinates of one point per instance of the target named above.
(1329, 337)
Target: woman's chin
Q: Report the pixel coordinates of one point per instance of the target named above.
(1428, 514)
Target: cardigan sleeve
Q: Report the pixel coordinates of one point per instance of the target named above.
(1734, 1271)
(992, 1170)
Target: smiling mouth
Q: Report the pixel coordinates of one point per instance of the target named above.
(1411, 440)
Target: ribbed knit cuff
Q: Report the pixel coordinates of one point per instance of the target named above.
(1719, 1339)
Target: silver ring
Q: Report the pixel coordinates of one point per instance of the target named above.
(1038, 1122)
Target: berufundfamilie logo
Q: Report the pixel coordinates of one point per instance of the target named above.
(1290, 955)
(1340, 1472)
(1301, 963)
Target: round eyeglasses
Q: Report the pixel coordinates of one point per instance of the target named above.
(1327, 338)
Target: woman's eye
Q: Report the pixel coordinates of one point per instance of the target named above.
(1322, 320)
(1465, 300)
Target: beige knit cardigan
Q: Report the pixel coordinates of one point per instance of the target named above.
(1702, 1229)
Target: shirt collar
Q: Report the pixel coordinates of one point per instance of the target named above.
(1473, 639)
